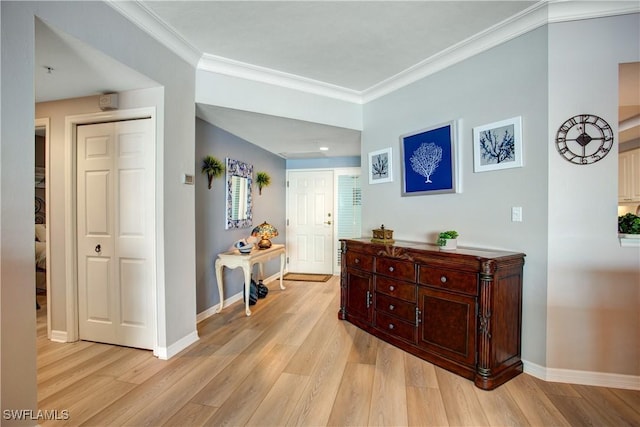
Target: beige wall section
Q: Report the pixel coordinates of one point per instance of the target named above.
(593, 283)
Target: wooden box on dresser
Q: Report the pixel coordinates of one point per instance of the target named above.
(460, 310)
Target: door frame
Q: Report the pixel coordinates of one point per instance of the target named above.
(71, 249)
(45, 123)
(336, 172)
(287, 199)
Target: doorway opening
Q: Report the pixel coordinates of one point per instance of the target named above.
(42, 231)
(629, 138)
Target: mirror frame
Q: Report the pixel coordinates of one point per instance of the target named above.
(243, 170)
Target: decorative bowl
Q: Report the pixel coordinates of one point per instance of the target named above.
(243, 247)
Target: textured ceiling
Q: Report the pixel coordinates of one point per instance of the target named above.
(354, 45)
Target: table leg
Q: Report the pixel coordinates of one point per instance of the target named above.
(219, 266)
(247, 288)
(260, 271)
(281, 270)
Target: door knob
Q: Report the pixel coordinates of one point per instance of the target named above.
(328, 222)
(98, 248)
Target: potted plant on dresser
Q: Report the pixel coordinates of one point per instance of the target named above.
(448, 240)
(629, 229)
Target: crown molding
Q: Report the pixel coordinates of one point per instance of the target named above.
(527, 20)
(538, 15)
(568, 10)
(149, 22)
(230, 67)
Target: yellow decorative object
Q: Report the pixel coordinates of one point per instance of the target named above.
(382, 235)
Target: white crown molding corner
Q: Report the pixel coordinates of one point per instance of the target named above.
(540, 14)
(166, 353)
(149, 22)
(230, 67)
(565, 10)
(527, 20)
(597, 379)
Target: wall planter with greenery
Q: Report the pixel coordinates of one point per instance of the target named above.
(262, 180)
(212, 167)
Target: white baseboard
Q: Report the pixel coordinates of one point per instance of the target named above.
(600, 379)
(58, 336)
(237, 297)
(166, 353)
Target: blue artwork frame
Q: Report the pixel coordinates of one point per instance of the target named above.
(429, 160)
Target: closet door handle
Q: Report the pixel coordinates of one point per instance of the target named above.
(98, 248)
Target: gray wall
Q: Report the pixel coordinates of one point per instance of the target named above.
(211, 235)
(506, 81)
(100, 26)
(594, 284)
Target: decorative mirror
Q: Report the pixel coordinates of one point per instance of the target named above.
(239, 177)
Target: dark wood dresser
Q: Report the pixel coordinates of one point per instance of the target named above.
(460, 310)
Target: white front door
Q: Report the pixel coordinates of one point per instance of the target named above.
(115, 229)
(310, 221)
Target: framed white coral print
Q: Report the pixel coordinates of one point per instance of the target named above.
(429, 161)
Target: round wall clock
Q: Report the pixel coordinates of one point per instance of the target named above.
(584, 139)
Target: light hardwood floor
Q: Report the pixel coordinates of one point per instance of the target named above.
(294, 363)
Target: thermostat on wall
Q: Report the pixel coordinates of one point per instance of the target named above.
(187, 179)
(108, 101)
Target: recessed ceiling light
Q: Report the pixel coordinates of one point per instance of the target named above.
(324, 148)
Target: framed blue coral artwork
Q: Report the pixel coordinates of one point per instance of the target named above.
(429, 160)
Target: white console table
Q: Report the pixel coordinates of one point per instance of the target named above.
(234, 259)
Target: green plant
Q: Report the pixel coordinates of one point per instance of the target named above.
(263, 180)
(443, 236)
(212, 167)
(629, 224)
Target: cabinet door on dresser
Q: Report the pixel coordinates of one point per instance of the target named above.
(359, 294)
(359, 302)
(448, 324)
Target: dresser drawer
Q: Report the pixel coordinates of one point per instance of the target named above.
(459, 281)
(402, 270)
(396, 327)
(359, 260)
(395, 307)
(394, 288)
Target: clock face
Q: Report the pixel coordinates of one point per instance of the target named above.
(584, 139)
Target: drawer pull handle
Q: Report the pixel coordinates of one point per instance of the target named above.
(391, 326)
(443, 279)
(392, 307)
(357, 261)
(391, 269)
(392, 288)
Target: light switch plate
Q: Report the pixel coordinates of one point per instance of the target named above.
(187, 179)
(516, 214)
